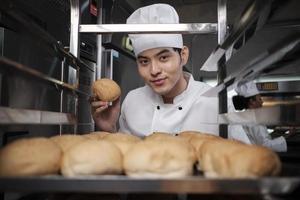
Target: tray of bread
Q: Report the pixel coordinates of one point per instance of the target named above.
(190, 162)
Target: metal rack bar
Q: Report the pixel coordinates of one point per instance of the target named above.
(74, 29)
(7, 64)
(222, 20)
(222, 30)
(200, 28)
(99, 41)
(108, 184)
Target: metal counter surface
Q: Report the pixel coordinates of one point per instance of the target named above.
(124, 184)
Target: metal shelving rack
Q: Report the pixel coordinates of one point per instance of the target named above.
(41, 117)
(255, 14)
(196, 184)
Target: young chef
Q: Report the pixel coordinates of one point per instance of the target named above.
(171, 100)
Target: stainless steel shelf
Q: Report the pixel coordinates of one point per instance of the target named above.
(193, 28)
(123, 184)
(287, 114)
(253, 70)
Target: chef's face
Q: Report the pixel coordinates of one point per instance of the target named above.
(161, 69)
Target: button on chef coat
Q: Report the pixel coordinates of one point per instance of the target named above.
(259, 135)
(144, 112)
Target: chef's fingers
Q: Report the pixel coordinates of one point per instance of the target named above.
(96, 104)
(101, 109)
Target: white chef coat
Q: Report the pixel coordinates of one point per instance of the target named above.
(144, 112)
(236, 131)
(259, 135)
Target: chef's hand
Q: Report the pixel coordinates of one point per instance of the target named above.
(105, 115)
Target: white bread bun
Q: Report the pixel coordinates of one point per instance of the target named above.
(98, 135)
(106, 89)
(92, 157)
(27, 157)
(234, 159)
(67, 140)
(122, 140)
(158, 158)
(159, 136)
(197, 138)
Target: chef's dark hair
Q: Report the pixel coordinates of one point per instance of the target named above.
(177, 50)
(241, 102)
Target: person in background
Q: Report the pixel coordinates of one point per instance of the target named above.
(171, 100)
(249, 98)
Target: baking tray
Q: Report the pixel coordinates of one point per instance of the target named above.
(124, 184)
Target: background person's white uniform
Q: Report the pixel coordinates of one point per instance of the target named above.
(259, 134)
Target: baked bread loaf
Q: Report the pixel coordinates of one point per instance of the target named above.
(28, 157)
(196, 139)
(106, 90)
(122, 140)
(67, 140)
(159, 158)
(159, 136)
(98, 135)
(92, 157)
(234, 159)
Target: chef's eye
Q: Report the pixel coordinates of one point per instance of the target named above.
(143, 61)
(164, 58)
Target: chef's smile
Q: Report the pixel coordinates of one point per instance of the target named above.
(158, 82)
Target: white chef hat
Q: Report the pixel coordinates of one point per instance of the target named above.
(154, 14)
(247, 90)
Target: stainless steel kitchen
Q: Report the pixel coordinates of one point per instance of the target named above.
(149, 99)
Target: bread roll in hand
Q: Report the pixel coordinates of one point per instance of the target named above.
(106, 90)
